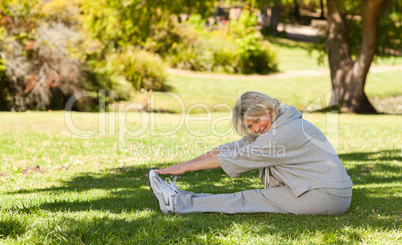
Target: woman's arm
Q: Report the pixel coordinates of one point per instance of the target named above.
(205, 161)
(213, 152)
(216, 151)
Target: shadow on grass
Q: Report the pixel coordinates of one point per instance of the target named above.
(283, 42)
(121, 189)
(11, 227)
(385, 155)
(372, 166)
(125, 190)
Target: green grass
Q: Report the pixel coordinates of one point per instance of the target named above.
(292, 55)
(89, 192)
(100, 195)
(297, 91)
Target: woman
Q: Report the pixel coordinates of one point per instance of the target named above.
(299, 168)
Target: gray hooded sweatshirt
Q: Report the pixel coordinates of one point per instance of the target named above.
(293, 153)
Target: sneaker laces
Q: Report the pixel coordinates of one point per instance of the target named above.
(169, 183)
(172, 184)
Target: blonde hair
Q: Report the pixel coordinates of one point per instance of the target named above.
(253, 104)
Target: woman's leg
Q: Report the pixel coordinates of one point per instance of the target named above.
(271, 200)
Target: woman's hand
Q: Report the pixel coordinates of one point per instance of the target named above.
(174, 170)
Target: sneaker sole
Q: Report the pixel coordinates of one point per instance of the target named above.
(161, 203)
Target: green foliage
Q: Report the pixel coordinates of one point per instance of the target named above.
(120, 26)
(225, 52)
(196, 21)
(100, 77)
(43, 55)
(166, 37)
(50, 57)
(390, 36)
(22, 9)
(194, 57)
(19, 19)
(257, 60)
(2, 61)
(390, 39)
(245, 25)
(2, 67)
(236, 48)
(4, 103)
(254, 55)
(65, 11)
(142, 69)
(123, 72)
(133, 21)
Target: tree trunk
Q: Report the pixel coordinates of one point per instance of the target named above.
(3, 96)
(297, 10)
(322, 9)
(348, 76)
(275, 18)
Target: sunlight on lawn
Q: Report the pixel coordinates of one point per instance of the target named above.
(92, 190)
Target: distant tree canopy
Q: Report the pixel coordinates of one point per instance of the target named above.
(121, 23)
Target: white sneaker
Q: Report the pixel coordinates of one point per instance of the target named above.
(164, 192)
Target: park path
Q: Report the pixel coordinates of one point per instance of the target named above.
(286, 74)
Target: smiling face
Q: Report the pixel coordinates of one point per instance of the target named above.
(259, 125)
(254, 113)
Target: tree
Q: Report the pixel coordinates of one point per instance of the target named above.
(127, 23)
(40, 49)
(349, 75)
(296, 9)
(275, 16)
(275, 6)
(322, 9)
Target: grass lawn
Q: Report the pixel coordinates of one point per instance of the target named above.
(293, 55)
(86, 191)
(59, 187)
(297, 91)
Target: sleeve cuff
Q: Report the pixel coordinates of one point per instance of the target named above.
(226, 166)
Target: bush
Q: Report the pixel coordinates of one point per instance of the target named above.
(224, 51)
(43, 74)
(101, 76)
(44, 62)
(65, 11)
(239, 50)
(255, 56)
(142, 69)
(46, 57)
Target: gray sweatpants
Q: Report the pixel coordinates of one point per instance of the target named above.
(271, 200)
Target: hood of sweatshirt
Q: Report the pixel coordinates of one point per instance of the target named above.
(288, 114)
